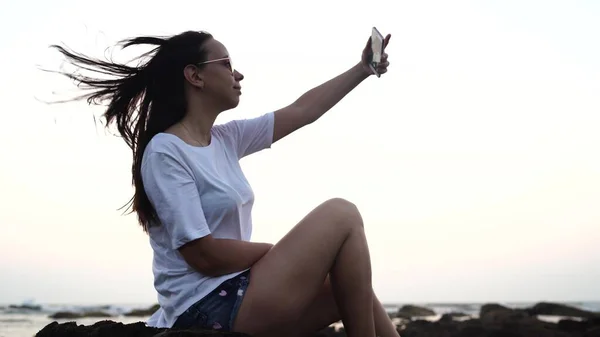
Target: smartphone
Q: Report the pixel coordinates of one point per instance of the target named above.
(376, 50)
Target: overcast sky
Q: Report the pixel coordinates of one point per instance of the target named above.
(475, 160)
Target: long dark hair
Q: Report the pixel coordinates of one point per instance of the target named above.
(142, 100)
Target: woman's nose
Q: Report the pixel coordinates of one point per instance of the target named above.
(237, 75)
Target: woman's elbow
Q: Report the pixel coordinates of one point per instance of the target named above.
(203, 266)
(196, 256)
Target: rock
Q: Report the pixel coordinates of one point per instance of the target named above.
(65, 315)
(451, 316)
(115, 329)
(569, 325)
(143, 312)
(423, 328)
(594, 332)
(503, 333)
(408, 311)
(489, 307)
(478, 328)
(512, 318)
(330, 332)
(502, 322)
(96, 314)
(555, 309)
(585, 326)
(74, 315)
(25, 307)
(471, 330)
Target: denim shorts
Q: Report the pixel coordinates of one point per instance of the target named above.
(218, 309)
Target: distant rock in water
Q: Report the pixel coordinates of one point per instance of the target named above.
(489, 307)
(499, 316)
(95, 313)
(408, 311)
(25, 307)
(500, 321)
(65, 315)
(555, 309)
(143, 312)
(74, 315)
(451, 316)
(115, 329)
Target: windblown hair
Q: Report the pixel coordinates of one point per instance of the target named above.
(142, 100)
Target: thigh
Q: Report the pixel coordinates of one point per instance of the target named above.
(321, 313)
(290, 277)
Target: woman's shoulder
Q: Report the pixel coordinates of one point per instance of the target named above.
(166, 144)
(167, 148)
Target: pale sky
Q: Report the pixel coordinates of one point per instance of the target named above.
(474, 161)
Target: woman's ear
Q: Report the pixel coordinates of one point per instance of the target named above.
(193, 76)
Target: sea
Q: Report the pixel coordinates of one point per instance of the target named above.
(24, 322)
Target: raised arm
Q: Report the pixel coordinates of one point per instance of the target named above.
(314, 103)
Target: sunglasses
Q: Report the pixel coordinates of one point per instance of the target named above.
(226, 61)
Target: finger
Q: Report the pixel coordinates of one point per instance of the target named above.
(384, 57)
(368, 46)
(384, 64)
(387, 40)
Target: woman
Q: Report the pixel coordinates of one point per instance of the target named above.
(195, 203)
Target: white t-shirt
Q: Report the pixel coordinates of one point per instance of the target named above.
(198, 191)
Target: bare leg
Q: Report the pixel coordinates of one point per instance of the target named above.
(286, 280)
(323, 312)
(354, 297)
(383, 324)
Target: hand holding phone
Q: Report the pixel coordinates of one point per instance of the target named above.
(374, 59)
(377, 46)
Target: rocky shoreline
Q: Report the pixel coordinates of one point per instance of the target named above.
(494, 320)
(102, 314)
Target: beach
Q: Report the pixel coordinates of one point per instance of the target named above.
(25, 320)
(19, 320)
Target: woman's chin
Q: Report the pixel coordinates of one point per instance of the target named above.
(232, 103)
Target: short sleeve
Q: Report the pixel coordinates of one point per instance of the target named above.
(253, 134)
(173, 193)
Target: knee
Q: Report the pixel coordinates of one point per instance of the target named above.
(344, 211)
